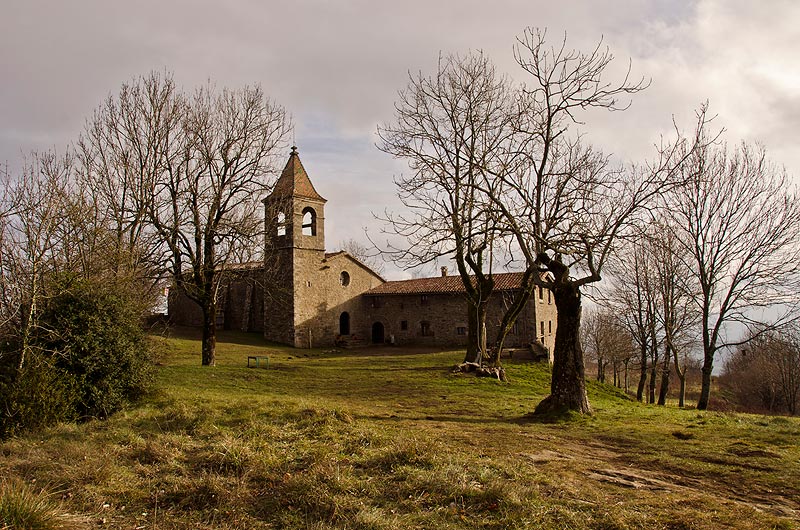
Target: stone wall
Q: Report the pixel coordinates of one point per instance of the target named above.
(278, 321)
(323, 294)
(240, 304)
(441, 319)
(182, 310)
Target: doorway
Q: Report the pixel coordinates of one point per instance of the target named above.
(378, 336)
(344, 323)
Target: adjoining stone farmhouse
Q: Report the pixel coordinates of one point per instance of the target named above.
(305, 297)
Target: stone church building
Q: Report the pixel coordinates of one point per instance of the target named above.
(305, 297)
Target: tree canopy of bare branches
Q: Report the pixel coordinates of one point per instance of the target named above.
(496, 165)
(454, 129)
(574, 205)
(187, 172)
(737, 224)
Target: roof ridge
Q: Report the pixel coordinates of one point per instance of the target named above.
(443, 284)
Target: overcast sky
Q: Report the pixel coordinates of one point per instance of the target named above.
(337, 66)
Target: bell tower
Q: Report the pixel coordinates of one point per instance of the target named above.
(294, 250)
(295, 212)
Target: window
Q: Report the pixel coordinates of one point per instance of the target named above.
(423, 300)
(344, 279)
(377, 302)
(404, 325)
(425, 329)
(541, 327)
(461, 330)
(548, 297)
(550, 326)
(309, 222)
(541, 293)
(281, 224)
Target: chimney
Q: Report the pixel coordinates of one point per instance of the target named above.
(444, 272)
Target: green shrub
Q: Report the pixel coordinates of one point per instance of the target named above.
(40, 394)
(89, 358)
(97, 337)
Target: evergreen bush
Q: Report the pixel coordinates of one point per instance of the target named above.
(90, 358)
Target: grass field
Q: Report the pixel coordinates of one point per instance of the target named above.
(391, 439)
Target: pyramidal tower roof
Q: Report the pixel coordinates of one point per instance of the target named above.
(294, 181)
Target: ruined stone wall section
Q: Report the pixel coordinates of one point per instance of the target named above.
(182, 310)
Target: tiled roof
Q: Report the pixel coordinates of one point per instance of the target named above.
(507, 281)
(294, 181)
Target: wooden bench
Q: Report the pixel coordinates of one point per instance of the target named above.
(258, 360)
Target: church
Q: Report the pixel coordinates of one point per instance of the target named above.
(306, 297)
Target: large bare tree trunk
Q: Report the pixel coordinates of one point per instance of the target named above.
(642, 373)
(664, 388)
(705, 388)
(568, 386)
(476, 318)
(209, 357)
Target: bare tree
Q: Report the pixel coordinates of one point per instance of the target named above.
(634, 299)
(33, 247)
(206, 207)
(575, 206)
(605, 341)
(677, 315)
(129, 141)
(453, 129)
(738, 225)
(186, 174)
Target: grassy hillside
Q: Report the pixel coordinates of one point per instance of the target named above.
(394, 440)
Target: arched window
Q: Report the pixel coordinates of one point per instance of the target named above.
(309, 222)
(281, 224)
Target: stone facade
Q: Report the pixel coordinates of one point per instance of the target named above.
(434, 311)
(305, 297)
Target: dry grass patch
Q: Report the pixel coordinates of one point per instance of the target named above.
(403, 444)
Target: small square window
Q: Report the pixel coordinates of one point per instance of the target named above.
(424, 299)
(377, 302)
(461, 330)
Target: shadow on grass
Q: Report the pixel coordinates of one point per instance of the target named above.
(460, 419)
(554, 417)
(240, 338)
